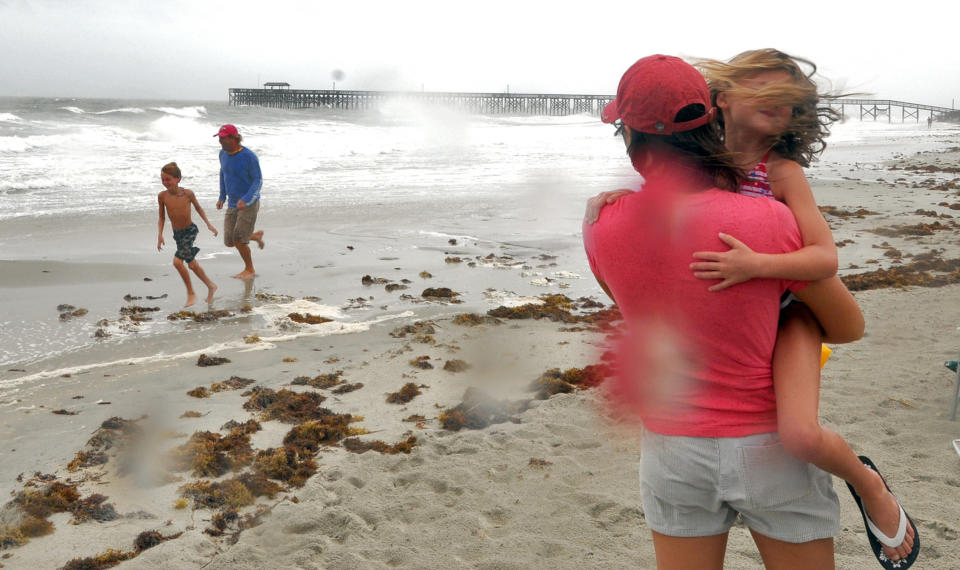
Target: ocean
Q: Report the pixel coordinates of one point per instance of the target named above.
(389, 193)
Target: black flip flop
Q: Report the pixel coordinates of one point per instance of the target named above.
(875, 543)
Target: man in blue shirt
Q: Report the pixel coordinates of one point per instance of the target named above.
(240, 182)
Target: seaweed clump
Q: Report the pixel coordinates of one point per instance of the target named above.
(422, 362)
(478, 410)
(27, 513)
(308, 319)
(443, 293)
(408, 392)
(86, 459)
(553, 381)
(846, 214)
(328, 430)
(285, 405)
(926, 270)
(232, 383)
(107, 559)
(205, 317)
(209, 454)
(347, 388)
(205, 360)
(113, 433)
(417, 329)
(356, 445)
(110, 558)
(324, 381)
(288, 464)
(553, 307)
(455, 365)
(473, 319)
(913, 230)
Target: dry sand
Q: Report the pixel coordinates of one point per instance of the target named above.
(558, 489)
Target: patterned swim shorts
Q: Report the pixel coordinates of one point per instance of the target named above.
(184, 238)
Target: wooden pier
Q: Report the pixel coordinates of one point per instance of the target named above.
(481, 103)
(875, 108)
(279, 95)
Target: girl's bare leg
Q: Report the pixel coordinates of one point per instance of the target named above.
(796, 381)
(185, 275)
(201, 274)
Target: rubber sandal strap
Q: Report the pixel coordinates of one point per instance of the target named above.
(886, 540)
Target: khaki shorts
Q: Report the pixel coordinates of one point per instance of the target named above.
(238, 224)
(696, 486)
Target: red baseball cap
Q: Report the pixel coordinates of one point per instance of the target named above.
(226, 131)
(653, 91)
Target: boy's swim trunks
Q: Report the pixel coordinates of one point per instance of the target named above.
(184, 238)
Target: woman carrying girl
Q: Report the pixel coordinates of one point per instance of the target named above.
(769, 119)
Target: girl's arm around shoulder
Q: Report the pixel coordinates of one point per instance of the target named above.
(817, 259)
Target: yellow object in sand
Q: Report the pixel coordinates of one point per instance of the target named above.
(824, 354)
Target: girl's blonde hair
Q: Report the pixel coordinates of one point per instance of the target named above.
(810, 123)
(172, 169)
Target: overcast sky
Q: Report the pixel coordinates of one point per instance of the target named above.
(196, 50)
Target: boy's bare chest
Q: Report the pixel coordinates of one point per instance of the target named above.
(176, 203)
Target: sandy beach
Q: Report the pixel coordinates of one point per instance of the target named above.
(552, 484)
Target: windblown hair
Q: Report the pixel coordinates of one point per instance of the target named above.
(702, 146)
(810, 123)
(172, 169)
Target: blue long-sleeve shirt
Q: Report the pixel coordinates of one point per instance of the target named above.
(240, 177)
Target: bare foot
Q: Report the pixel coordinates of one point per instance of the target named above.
(245, 275)
(257, 236)
(191, 299)
(211, 289)
(884, 511)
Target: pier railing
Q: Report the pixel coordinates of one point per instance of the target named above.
(519, 103)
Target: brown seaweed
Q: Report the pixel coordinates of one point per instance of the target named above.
(439, 293)
(323, 381)
(356, 445)
(553, 381)
(417, 329)
(455, 365)
(208, 454)
(478, 410)
(473, 319)
(926, 270)
(408, 392)
(422, 362)
(285, 405)
(347, 388)
(308, 319)
(328, 430)
(205, 360)
(288, 464)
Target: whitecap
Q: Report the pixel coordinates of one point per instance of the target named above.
(10, 118)
(134, 110)
(194, 112)
(76, 110)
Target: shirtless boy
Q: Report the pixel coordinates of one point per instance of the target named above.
(176, 202)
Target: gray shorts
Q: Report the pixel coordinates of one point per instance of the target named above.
(696, 486)
(238, 224)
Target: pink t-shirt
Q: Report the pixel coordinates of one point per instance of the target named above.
(719, 383)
